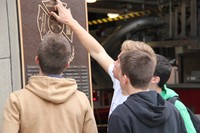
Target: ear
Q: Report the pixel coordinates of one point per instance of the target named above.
(126, 79)
(155, 80)
(36, 60)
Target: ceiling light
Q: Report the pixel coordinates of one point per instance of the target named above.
(112, 15)
(91, 1)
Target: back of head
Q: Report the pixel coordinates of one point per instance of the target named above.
(54, 53)
(138, 66)
(137, 45)
(163, 69)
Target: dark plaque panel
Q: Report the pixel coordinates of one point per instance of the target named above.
(35, 23)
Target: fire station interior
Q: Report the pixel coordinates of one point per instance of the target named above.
(170, 27)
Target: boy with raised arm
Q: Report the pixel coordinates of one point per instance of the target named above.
(98, 52)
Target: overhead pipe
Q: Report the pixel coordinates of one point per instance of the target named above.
(113, 43)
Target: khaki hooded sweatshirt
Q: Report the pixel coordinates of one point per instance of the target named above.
(48, 105)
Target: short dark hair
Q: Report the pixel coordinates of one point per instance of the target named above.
(163, 69)
(54, 53)
(138, 66)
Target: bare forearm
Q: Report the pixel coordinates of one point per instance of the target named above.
(87, 40)
(92, 46)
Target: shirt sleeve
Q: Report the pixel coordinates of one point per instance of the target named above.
(116, 125)
(186, 117)
(110, 71)
(11, 118)
(116, 83)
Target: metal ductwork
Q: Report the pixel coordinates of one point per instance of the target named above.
(113, 43)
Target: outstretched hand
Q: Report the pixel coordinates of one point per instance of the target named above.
(64, 15)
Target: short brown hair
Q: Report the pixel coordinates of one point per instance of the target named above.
(137, 45)
(163, 70)
(138, 66)
(54, 53)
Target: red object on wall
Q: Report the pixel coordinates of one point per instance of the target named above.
(191, 98)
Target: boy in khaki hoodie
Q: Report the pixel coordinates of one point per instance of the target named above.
(49, 103)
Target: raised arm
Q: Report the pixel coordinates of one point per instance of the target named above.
(91, 44)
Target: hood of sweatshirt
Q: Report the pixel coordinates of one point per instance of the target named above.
(167, 93)
(55, 90)
(149, 107)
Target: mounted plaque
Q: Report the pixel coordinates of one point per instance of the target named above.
(35, 22)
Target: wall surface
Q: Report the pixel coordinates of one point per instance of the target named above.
(10, 72)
